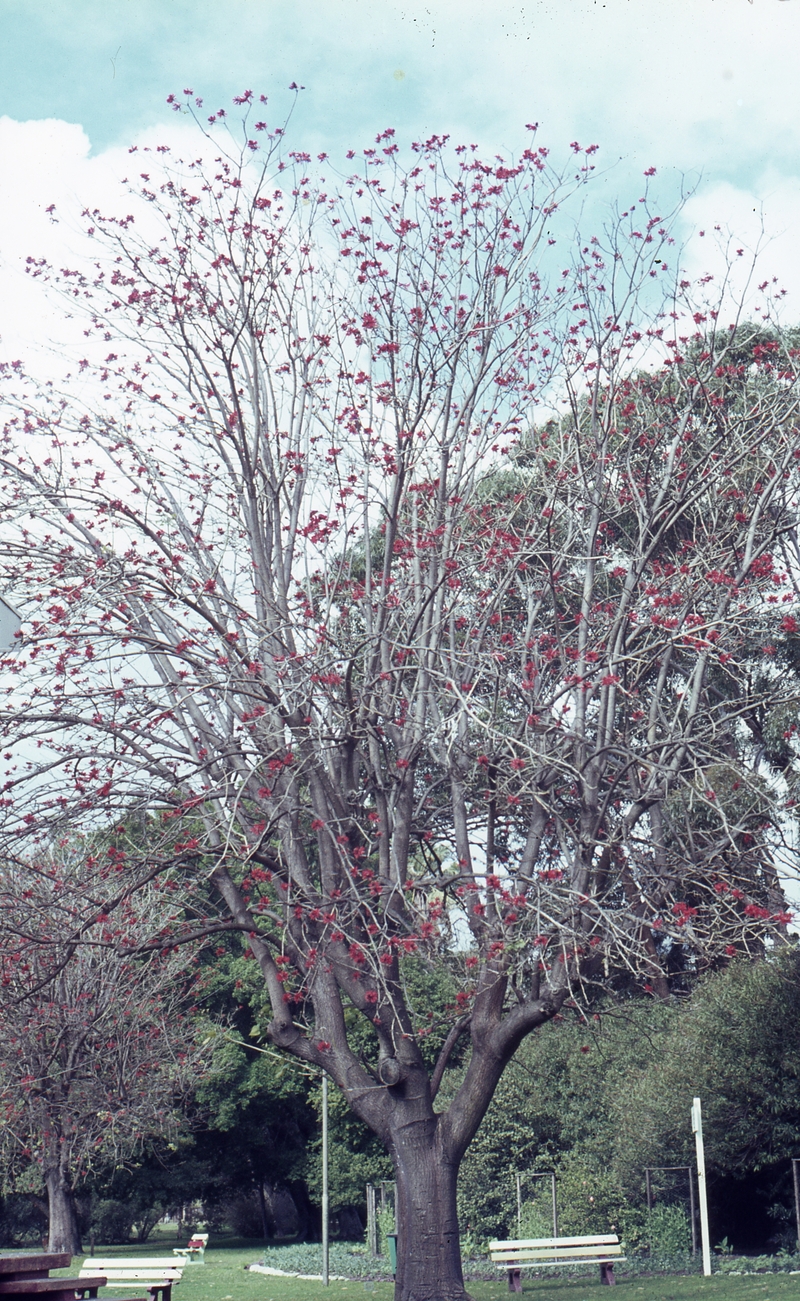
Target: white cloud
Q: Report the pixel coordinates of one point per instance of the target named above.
(687, 85)
(40, 163)
(684, 83)
(762, 221)
(47, 165)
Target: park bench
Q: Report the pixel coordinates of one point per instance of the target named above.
(195, 1250)
(603, 1249)
(155, 1273)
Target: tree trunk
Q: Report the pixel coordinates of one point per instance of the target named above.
(262, 1206)
(302, 1201)
(64, 1233)
(428, 1247)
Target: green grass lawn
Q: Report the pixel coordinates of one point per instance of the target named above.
(224, 1277)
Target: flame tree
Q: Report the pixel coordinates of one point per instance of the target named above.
(397, 665)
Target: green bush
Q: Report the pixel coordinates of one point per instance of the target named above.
(536, 1220)
(783, 1263)
(111, 1221)
(667, 1232)
(590, 1199)
(386, 1226)
(23, 1220)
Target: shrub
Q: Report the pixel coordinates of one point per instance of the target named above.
(590, 1199)
(536, 1220)
(666, 1231)
(110, 1221)
(386, 1225)
(244, 1216)
(23, 1220)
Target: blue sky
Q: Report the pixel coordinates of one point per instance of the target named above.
(698, 88)
(684, 82)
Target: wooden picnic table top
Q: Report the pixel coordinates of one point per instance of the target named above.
(25, 1276)
(48, 1286)
(36, 1263)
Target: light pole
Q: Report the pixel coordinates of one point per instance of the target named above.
(325, 1200)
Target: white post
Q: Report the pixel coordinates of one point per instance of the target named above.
(325, 1251)
(519, 1206)
(697, 1128)
(10, 624)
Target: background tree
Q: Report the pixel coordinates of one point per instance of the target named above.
(599, 1097)
(558, 1108)
(96, 1044)
(279, 601)
(736, 1046)
(255, 1115)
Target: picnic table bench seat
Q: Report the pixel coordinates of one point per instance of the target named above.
(49, 1288)
(155, 1273)
(514, 1255)
(25, 1276)
(31, 1264)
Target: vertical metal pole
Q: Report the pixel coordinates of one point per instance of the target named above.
(519, 1205)
(649, 1188)
(796, 1179)
(372, 1220)
(325, 1200)
(692, 1211)
(697, 1126)
(555, 1205)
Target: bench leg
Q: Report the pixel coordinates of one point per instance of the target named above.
(515, 1280)
(164, 1290)
(607, 1274)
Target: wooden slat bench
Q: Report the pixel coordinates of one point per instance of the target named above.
(155, 1273)
(603, 1249)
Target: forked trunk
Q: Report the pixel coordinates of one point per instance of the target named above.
(64, 1233)
(428, 1247)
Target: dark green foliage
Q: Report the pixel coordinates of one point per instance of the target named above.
(111, 1221)
(554, 1110)
(737, 1046)
(125, 1203)
(355, 1157)
(23, 1220)
(600, 1100)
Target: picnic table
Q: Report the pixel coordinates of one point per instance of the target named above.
(26, 1276)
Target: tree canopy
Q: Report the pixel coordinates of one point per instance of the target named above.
(396, 664)
(97, 1049)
